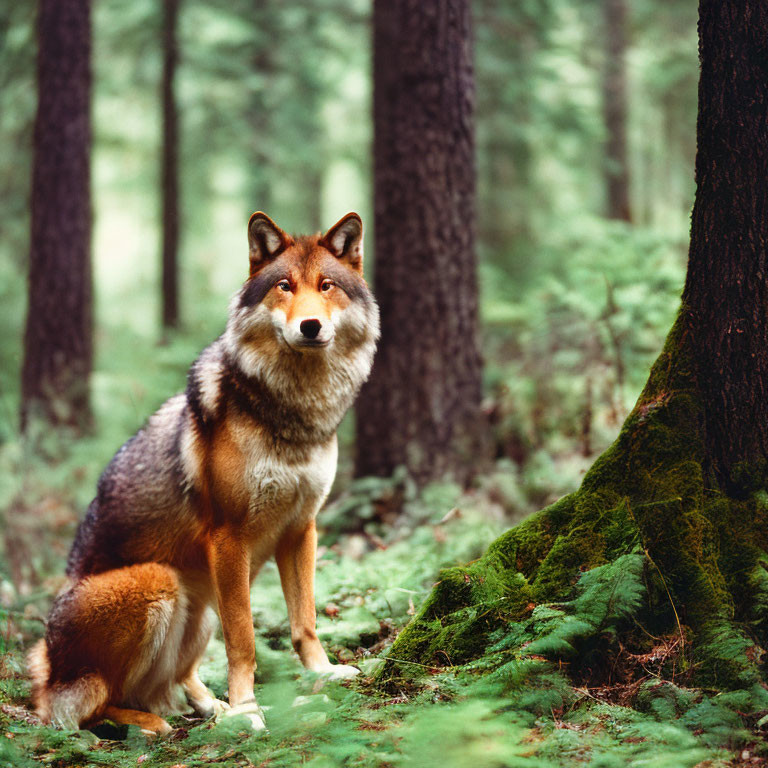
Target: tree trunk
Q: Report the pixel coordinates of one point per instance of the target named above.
(58, 337)
(421, 407)
(259, 113)
(677, 505)
(726, 290)
(170, 174)
(615, 110)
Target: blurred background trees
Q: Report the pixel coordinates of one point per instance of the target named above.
(58, 349)
(274, 110)
(615, 110)
(169, 216)
(421, 407)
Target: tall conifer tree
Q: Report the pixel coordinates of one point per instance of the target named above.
(421, 407)
(58, 337)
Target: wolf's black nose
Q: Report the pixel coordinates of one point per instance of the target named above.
(310, 328)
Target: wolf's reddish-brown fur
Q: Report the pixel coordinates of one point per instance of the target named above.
(223, 477)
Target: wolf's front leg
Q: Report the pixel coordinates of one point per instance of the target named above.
(295, 557)
(230, 561)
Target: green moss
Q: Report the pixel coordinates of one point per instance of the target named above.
(580, 548)
(647, 496)
(523, 547)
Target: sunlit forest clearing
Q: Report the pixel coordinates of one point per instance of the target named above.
(545, 541)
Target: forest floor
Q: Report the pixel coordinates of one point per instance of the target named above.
(369, 581)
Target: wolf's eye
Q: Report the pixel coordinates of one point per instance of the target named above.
(284, 285)
(326, 285)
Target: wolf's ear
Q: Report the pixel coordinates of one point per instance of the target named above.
(345, 240)
(265, 240)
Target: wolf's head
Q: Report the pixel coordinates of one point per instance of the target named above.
(305, 306)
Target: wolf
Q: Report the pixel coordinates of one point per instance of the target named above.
(222, 477)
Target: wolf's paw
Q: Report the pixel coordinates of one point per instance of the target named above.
(343, 672)
(250, 709)
(218, 707)
(209, 707)
(150, 734)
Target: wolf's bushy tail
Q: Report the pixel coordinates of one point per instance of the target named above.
(66, 705)
(40, 671)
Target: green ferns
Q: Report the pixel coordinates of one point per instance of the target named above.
(605, 598)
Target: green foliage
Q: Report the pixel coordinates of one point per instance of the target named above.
(567, 361)
(514, 707)
(606, 596)
(457, 722)
(491, 621)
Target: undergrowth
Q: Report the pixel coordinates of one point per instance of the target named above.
(646, 581)
(515, 706)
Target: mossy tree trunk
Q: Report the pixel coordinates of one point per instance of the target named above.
(725, 301)
(683, 488)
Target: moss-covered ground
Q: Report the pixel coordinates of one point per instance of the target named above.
(598, 704)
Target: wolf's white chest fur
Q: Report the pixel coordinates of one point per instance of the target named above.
(288, 487)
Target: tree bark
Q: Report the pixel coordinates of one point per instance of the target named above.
(170, 172)
(58, 336)
(421, 407)
(726, 290)
(615, 110)
(683, 488)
